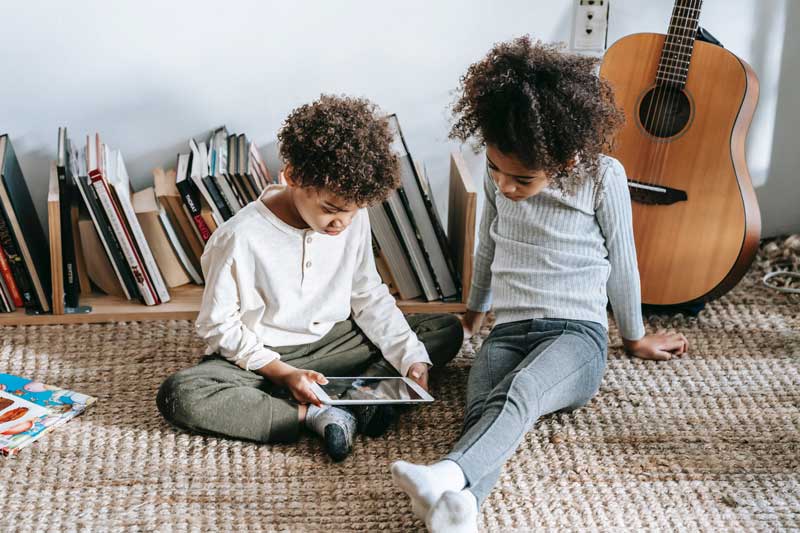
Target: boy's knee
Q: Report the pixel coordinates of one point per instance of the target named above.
(173, 401)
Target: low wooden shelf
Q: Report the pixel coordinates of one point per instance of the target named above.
(185, 301)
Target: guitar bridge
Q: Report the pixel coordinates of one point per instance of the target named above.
(647, 193)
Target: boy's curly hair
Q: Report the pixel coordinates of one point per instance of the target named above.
(341, 144)
(546, 107)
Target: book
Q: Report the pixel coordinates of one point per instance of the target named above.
(198, 173)
(165, 252)
(396, 209)
(71, 284)
(54, 220)
(6, 305)
(104, 232)
(97, 179)
(396, 258)
(424, 218)
(120, 186)
(22, 224)
(30, 409)
(169, 198)
(191, 197)
(218, 143)
(8, 280)
(99, 268)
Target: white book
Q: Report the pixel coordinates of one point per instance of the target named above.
(198, 167)
(95, 166)
(186, 263)
(118, 178)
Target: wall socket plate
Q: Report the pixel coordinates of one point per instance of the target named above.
(590, 25)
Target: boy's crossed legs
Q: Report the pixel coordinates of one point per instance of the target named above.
(216, 397)
(524, 370)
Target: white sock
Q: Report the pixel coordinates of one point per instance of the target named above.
(454, 512)
(426, 484)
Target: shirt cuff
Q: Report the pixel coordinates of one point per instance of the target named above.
(260, 358)
(411, 359)
(480, 300)
(632, 332)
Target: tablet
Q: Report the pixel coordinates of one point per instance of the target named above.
(369, 390)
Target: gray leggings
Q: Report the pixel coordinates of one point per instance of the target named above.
(524, 370)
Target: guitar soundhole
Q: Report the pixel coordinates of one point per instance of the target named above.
(664, 111)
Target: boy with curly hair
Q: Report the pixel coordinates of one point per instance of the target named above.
(556, 245)
(292, 294)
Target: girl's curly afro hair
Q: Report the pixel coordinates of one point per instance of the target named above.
(545, 107)
(341, 144)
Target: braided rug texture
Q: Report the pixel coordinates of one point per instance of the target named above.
(710, 442)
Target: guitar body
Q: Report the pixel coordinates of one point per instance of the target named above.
(697, 246)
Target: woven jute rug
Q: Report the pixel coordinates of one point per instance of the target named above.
(709, 442)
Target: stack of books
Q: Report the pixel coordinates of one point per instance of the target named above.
(24, 255)
(137, 245)
(411, 247)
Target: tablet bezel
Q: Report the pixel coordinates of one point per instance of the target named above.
(424, 396)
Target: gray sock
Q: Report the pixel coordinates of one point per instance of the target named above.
(337, 428)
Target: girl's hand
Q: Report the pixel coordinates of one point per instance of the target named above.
(418, 372)
(661, 346)
(471, 321)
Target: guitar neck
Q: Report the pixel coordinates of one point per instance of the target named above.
(678, 44)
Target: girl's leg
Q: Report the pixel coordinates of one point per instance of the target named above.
(506, 346)
(559, 373)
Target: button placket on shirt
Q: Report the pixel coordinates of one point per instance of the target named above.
(307, 262)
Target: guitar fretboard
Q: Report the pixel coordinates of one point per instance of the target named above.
(679, 43)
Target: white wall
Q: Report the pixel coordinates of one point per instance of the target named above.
(147, 75)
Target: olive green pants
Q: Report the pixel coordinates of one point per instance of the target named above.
(216, 397)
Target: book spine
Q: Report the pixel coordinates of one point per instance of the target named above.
(216, 197)
(16, 265)
(8, 277)
(70, 272)
(134, 262)
(193, 206)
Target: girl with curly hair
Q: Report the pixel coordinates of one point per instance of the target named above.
(555, 246)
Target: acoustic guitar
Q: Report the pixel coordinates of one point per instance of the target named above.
(688, 105)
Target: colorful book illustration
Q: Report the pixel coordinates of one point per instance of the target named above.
(30, 409)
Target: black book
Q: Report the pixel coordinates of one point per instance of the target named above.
(65, 199)
(190, 195)
(23, 223)
(107, 237)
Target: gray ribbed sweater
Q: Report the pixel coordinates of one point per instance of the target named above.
(557, 256)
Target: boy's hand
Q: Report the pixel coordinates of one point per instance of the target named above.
(661, 346)
(471, 321)
(418, 372)
(297, 380)
(299, 384)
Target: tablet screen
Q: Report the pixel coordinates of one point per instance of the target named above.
(369, 389)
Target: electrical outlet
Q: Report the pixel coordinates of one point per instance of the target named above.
(590, 25)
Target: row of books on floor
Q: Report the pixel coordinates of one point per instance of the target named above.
(411, 248)
(138, 245)
(103, 235)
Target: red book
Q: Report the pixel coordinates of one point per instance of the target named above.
(5, 270)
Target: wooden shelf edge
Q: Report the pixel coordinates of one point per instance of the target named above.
(183, 305)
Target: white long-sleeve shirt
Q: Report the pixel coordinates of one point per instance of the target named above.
(271, 284)
(559, 256)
